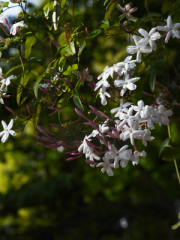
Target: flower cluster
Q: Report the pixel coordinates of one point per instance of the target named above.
(133, 122)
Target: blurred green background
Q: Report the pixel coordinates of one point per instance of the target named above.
(44, 197)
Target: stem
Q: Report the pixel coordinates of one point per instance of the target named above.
(169, 132)
(175, 163)
(146, 5)
(4, 30)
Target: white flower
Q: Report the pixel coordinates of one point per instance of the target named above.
(121, 108)
(7, 130)
(103, 94)
(139, 48)
(127, 117)
(140, 108)
(109, 71)
(46, 85)
(151, 36)
(106, 166)
(148, 114)
(13, 30)
(84, 147)
(103, 83)
(127, 10)
(128, 63)
(164, 114)
(6, 82)
(91, 155)
(117, 155)
(145, 137)
(131, 132)
(128, 83)
(171, 29)
(3, 17)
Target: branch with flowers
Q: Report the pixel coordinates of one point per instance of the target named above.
(61, 83)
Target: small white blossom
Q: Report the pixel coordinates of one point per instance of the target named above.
(103, 94)
(107, 167)
(13, 30)
(7, 130)
(171, 29)
(128, 83)
(152, 36)
(6, 82)
(127, 10)
(139, 48)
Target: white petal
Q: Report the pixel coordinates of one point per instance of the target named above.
(165, 29)
(5, 136)
(176, 33)
(131, 49)
(143, 32)
(153, 45)
(152, 31)
(10, 124)
(176, 26)
(103, 100)
(131, 86)
(168, 36)
(146, 50)
(139, 56)
(109, 172)
(155, 36)
(13, 133)
(169, 22)
(124, 163)
(4, 124)
(143, 42)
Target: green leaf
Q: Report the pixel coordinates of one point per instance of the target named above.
(23, 83)
(35, 120)
(34, 74)
(77, 100)
(111, 7)
(36, 85)
(0, 54)
(2, 5)
(175, 226)
(148, 17)
(63, 2)
(71, 48)
(47, 8)
(152, 79)
(104, 24)
(74, 67)
(30, 41)
(15, 68)
(105, 2)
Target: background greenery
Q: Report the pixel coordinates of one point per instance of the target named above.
(44, 197)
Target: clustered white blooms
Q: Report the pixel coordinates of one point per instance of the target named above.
(133, 122)
(3, 89)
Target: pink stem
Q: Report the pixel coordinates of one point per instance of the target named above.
(143, 124)
(4, 30)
